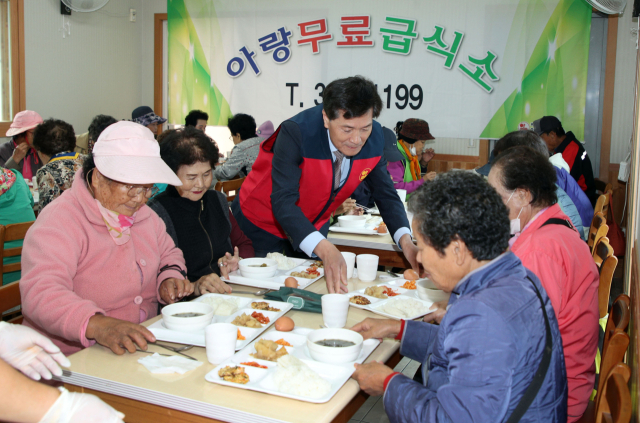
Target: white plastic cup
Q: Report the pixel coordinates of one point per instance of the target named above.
(350, 258)
(335, 308)
(402, 193)
(220, 341)
(367, 267)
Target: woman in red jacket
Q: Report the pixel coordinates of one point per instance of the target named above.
(549, 246)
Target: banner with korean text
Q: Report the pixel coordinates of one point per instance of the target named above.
(471, 68)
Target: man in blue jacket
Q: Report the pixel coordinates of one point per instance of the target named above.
(309, 167)
(497, 351)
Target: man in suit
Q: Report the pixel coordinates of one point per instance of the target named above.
(312, 164)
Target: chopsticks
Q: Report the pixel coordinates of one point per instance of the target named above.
(365, 208)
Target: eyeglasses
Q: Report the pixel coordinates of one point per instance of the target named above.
(135, 190)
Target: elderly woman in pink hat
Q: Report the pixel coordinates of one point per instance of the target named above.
(98, 260)
(19, 153)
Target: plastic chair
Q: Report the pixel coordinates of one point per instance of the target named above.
(228, 186)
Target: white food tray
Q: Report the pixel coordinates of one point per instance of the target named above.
(368, 229)
(162, 333)
(276, 281)
(377, 303)
(261, 380)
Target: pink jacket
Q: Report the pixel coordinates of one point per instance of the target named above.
(72, 269)
(396, 170)
(564, 264)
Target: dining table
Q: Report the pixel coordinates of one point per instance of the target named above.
(143, 396)
(389, 254)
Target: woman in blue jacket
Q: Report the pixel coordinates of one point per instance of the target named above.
(500, 328)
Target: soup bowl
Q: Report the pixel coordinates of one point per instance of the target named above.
(427, 291)
(172, 320)
(334, 355)
(352, 221)
(250, 268)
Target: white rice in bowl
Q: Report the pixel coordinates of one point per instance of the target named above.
(221, 306)
(296, 378)
(284, 262)
(404, 307)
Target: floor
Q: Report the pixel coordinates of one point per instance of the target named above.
(372, 411)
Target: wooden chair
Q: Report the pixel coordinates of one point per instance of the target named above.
(602, 251)
(13, 232)
(228, 186)
(615, 405)
(616, 340)
(597, 230)
(10, 299)
(602, 205)
(607, 270)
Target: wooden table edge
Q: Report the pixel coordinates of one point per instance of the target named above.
(140, 411)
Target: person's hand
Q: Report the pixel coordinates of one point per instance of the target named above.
(20, 152)
(410, 252)
(118, 335)
(371, 377)
(378, 328)
(429, 176)
(211, 283)
(356, 211)
(345, 207)
(81, 408)
(335, 268)
(30, 352)
(173, 289)
(427, 155)
(440, 310)
(229, 263)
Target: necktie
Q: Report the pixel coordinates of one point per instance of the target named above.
(337, 169)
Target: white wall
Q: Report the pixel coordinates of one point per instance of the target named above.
(624, 92)
(104, 66)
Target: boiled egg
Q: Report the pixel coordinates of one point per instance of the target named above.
(410, 274)
(291, 282)
(382, 228)
(284, 324)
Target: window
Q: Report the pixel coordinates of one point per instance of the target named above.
(12, 91)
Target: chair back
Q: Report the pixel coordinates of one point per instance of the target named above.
(12, 232)
(598, 229)
(229, 186)
(612, 354)
(10, 299)
(602, 204)
(607, 269)
(602, 250)
(615, 403)
(618, 319)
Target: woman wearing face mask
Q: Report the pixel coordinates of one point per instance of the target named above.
(406, 174)
(547, 245)
(97, 260)
(198, 219)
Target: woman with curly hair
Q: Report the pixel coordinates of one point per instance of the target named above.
(499, 330)
(55, 140)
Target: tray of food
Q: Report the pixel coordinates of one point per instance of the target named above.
(276, 271)
(184, 323)
(287, 364)
(398, 298)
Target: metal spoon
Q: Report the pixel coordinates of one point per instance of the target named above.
(174, 349)
(394, 274)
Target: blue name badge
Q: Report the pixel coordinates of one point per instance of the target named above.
(297, 302)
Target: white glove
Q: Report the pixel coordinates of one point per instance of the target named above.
(31, 353)
(72, 407)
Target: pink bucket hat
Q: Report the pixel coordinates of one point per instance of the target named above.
(23, 121)
(265, 130)
(127, 152)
